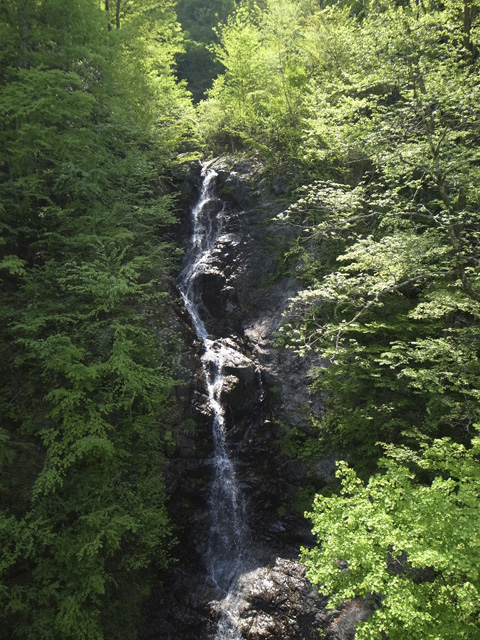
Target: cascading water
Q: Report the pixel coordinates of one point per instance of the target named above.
(226, 554)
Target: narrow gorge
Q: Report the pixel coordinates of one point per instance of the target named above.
(237, 487)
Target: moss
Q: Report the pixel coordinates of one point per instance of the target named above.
(282, 511)
(198, 482)
(226, 189)
(190, 424)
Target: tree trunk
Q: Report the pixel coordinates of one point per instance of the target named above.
(468, 15)
(107, 10)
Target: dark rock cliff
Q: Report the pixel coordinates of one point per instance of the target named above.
(245, 291)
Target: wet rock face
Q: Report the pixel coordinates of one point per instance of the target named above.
(265, 393)
(280, 603)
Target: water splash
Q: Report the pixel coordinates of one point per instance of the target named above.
(226, 553)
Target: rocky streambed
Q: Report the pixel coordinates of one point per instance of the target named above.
(242, 293)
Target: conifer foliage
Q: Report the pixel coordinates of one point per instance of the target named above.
(89, 122)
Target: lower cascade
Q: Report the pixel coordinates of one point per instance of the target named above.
(226, 556)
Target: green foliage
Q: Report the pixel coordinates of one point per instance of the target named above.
(406, 544)
(258, 102)
(377, 104)
(299, 445)
(389, 247)
(91, 120)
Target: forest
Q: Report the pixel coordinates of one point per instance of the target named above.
(370, 110)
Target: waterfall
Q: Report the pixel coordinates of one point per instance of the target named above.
(226, 553)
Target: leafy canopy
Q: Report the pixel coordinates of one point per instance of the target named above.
(407, 545)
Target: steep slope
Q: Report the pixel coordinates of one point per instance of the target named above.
(241, 295)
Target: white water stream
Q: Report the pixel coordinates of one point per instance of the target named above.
(226, 555)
